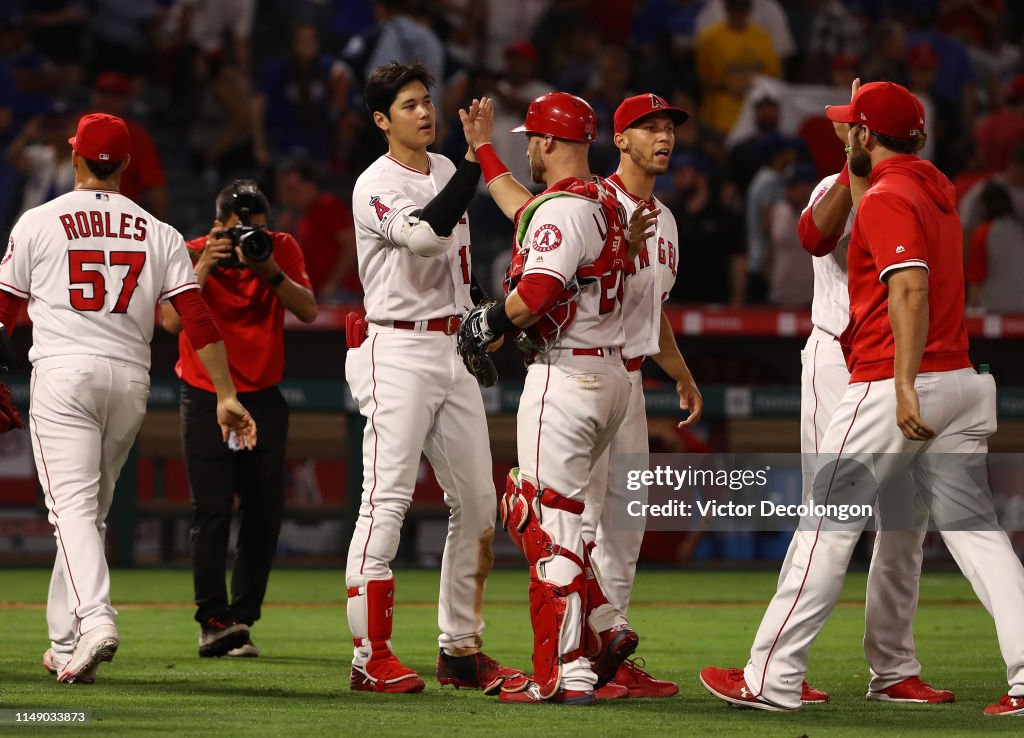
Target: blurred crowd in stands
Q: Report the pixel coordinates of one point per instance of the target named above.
(218, 89)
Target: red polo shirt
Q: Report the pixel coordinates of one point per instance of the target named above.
(317, 231)
(907, 219)
(250, 318)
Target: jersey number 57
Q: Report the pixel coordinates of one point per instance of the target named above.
(93, 299)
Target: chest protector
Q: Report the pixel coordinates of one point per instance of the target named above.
(612, 226)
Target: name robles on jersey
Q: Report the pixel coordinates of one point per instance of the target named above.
(118, 261)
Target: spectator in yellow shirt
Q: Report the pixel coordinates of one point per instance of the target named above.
(729, 54)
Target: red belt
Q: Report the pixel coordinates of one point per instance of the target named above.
(633, 365)
(449, 326)
(594, 352)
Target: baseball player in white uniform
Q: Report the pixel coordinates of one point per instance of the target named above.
(906, 348)
(645, 135)
(566, 304)
(413, 246)
(93, 265)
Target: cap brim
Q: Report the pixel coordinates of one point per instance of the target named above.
(520, 129)
(678, 116)
(840, 113)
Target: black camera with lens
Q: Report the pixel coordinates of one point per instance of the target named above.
(253, 240)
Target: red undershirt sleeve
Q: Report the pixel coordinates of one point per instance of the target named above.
(539, 292)
(196, 319)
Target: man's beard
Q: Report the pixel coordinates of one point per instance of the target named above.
(860, 160)
(646, 166)
(536, 170)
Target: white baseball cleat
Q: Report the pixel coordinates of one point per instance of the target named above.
(94, 647)
(247, 650)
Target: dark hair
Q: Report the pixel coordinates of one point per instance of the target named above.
(102, 169)
(383, 84)
(898, 145)
(996, 201)
(228, 197)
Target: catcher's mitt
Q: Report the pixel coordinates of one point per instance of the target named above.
(9, 417)
(473, 338)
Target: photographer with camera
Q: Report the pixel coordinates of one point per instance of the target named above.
(249, 276)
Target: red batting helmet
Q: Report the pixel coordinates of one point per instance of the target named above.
(561, 115)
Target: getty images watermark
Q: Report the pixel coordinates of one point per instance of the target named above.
(773, 492)
(733, 480)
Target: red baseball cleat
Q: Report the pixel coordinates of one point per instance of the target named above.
(531, 696)
(912, 689)
(1007, 705)
(730, 686)
(479, 671)
(811, 696)
(383, 672)
(614, 646)
(641, 684)
(611, 691)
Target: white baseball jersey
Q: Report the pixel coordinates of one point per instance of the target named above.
(93, 266)
(398, 284)
(565, 233)
(649, 279)
(830, 308)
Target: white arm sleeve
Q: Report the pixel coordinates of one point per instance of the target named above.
(379, 205)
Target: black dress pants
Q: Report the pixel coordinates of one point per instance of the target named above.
(216, 474)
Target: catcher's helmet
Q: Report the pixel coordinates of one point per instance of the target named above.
(561, 115)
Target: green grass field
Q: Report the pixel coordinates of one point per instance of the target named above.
(299, 686)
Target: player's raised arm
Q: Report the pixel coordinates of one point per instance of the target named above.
(478, 124)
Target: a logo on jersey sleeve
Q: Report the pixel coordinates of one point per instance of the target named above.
(9, 254)
(380, 208)
(547, 238)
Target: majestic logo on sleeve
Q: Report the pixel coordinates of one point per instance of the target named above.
(379, 207)
(547, 238)
(9, 254)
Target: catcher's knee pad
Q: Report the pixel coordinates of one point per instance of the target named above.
(521, 517)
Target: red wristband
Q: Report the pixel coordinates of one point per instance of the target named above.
(490, 163)
(844, 176)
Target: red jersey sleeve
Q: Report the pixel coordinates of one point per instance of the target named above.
(893, 235)
(288, 255)
(977, 257)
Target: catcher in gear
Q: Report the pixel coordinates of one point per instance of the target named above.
(563, 303)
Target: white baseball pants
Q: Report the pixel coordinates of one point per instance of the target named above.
(418, 398)
(894, 576)
(84, 415)
(617, 550)
(960, 406)
(570, 410)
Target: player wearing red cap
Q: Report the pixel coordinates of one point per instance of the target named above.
(895, 573)
(915, 411)
(93, 265)
(565, 304)
(645, 136)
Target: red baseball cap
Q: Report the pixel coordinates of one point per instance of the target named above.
(884, 107)
(101, 137)
(634, 108)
